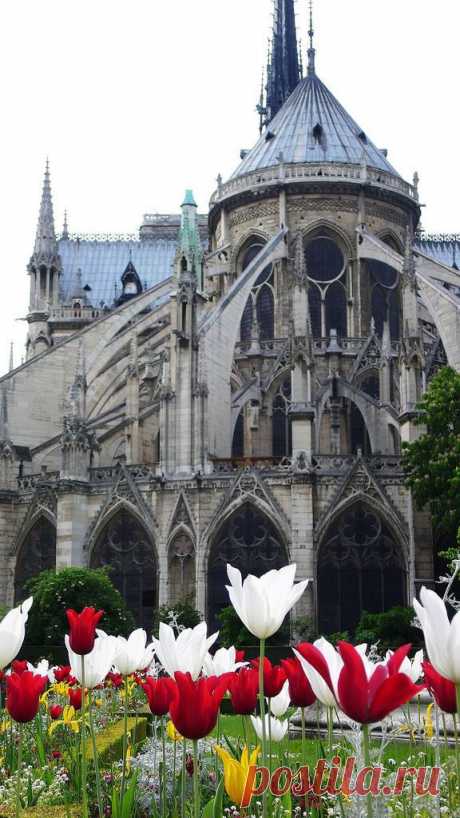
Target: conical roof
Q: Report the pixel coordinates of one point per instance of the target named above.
(312, 126)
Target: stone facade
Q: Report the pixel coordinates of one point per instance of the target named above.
(249, 406)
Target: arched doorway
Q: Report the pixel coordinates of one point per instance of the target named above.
(37, 553)
(360, 568)
(249, 541)
(125, 546)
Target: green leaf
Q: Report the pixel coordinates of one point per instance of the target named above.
(218, 809)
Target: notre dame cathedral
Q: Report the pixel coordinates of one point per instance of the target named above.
(235, 386)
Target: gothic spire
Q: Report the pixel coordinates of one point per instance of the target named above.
(311, 50)
(283, 72)
(45, 239)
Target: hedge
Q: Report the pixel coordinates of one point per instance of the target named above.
(109, 744)
(44, 811)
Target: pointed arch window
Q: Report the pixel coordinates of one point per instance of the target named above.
(281, 421)
(249, 542)
(327, 294)
(126, 548)
(384, 283)
(259, 314)
(181, 565)
(360, 568)
(37, 553)
(238, 436)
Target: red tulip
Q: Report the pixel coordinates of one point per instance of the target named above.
(244, 689)
(189, 766)
(116, 679)
(195, 705)
(239, 656)
(75, 698)
(56, 711)
(83, 629)
(62, 673)
(56, 754)
(159, 693)
(19, 666)
(300, 690)
(369, 700)
(23, 691)
(274, 677)
(442, 689)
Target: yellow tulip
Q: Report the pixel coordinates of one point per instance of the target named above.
(429, 722)
(236, 772)
(172, 733)
(5, 725)
(68, 720)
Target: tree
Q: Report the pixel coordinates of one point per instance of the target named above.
(432, 463)
(55, 591)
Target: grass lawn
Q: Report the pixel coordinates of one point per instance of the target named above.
(232, 727)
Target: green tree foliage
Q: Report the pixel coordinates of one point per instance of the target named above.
(432, 463)
(55, 591)
(233, 632)
(180, 613)
(390, 629)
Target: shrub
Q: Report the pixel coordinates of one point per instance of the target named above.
(390, 629)
(181, 613)
(233, 632)
(76, 588)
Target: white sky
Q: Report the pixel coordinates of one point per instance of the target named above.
(135, 100)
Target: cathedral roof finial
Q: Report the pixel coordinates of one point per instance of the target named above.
(65, 227)
(45, 240)
(311, 51)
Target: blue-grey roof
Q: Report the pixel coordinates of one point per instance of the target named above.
(339, 138)
(445, 249)
(102, 264)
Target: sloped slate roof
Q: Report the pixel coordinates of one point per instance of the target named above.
(445, 249)
(102, 264)
(312, 126)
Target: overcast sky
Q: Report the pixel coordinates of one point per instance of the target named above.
(135, 100)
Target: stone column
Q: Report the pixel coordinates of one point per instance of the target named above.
(302, 548)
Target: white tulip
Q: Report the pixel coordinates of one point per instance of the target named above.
(13, 631)
(442, 638)
(324, 693)
(263, 602)
(280, 703)
(42, 669)
(223, 661)
(275, 727)
(187, 652)
(97, 663)
(413, 669)
(132, 654)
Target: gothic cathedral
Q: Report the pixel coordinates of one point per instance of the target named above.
(235, 387)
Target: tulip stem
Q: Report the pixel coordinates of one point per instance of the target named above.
(18, 774)
(330, 727)
(367, 763)
(84, 787)
(125, 743)
(184, 759)
(163, 776)
(262, 716)
(95, 758)
(196, 780)
(302, 716)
